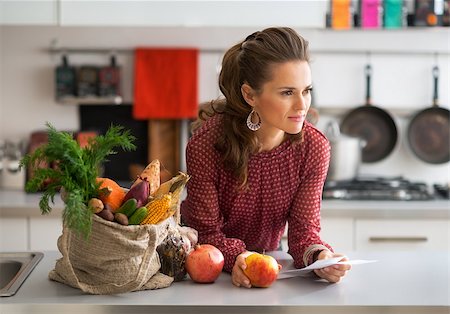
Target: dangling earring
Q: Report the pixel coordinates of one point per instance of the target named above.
(253, 126)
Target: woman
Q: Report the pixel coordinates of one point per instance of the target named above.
(255, 163)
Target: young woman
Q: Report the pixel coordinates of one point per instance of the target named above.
(255, 163)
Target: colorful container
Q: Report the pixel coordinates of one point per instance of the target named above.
(394, 13)
(370, 13)
(341, 14)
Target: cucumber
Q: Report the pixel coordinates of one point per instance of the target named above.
(138, 216)
(128, 208)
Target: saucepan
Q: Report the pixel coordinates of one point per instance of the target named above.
(345, 154)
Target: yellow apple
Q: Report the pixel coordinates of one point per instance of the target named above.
(262, 270)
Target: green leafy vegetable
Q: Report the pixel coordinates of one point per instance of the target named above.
(76, 172)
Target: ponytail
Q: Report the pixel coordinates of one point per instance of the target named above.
(248, 62)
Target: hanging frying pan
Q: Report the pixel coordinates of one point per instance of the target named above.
(428, 131)
(372, 124)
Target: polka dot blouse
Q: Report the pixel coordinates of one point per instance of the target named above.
(284, 185)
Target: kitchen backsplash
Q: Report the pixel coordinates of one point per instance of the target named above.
(401, 81)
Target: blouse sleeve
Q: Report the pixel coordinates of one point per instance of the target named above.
(304, 217)
(201, 209)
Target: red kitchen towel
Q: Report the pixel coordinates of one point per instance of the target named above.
(165, 83)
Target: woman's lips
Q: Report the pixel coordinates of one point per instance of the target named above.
(297, 118)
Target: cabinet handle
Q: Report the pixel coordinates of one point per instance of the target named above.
(398, 239)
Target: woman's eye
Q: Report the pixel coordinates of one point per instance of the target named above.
(307, 91)
(287, 93)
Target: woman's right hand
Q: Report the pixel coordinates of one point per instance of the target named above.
(237, 274)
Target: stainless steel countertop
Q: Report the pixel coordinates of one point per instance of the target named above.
(21, 204)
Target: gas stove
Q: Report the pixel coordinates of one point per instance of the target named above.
(396, 188)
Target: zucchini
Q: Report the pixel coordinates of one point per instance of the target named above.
(128, 208)
(138, 216)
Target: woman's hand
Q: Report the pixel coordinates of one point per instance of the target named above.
(238, 277)
(332, 273)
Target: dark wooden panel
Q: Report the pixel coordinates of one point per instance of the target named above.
(164, 144)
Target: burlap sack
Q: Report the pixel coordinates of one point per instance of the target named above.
(115, 258)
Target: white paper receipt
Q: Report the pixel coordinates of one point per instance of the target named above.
(303, 272)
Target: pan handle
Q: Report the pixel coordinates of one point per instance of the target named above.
(436, 84)
(368, 72)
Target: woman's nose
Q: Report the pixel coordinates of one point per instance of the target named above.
(301, 103)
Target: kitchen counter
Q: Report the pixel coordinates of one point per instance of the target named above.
(15, 203)
(19, 203)
(430, 209)
(400, 282)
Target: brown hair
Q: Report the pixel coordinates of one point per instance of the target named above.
(251, 62)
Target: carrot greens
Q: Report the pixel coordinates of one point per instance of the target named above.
(75, 172)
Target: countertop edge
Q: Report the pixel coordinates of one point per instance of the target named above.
(223, 309)
(21, 204)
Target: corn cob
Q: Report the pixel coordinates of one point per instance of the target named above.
(176, 189)
(158, 209)
(164, 188)
(176, 184)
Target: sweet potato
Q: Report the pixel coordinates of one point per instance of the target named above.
(121, 218)
(106, 214)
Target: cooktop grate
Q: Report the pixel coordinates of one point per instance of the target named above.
(377, 188)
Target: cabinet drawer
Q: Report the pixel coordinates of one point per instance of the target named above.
(13, 234)
(337, 232)
(402, 234)
(44, 233)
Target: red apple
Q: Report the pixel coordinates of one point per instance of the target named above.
(262, 270)
(205, 263)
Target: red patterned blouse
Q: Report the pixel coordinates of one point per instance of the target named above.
(284, 185)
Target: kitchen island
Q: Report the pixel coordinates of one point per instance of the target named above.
(400, 282)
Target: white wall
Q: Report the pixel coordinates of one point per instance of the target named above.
(400, 81)
(1, 82)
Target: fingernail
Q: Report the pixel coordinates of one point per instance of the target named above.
(246, 282)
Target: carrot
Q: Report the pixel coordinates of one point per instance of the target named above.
(111, 193)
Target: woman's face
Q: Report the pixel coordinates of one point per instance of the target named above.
(283, 102)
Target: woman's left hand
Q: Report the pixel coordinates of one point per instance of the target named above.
(332, 273)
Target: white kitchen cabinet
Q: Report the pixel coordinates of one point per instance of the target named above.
(13, 234)
(402, 235)
(44, 233)
(193, 13)
(29, 12)
(338, 232)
